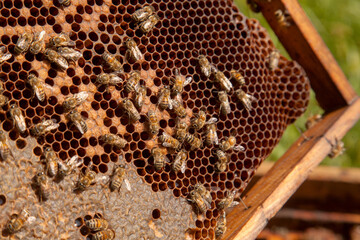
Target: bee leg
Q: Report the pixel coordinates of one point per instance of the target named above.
(303, 135)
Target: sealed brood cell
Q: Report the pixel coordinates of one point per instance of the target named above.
(186, 29)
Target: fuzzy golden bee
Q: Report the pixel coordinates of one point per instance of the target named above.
(118, 177)
(204, 192)
(97, 224)
(193, 141)
(224, 82)
(37, 86)
(228, 201)
(230, 143)
(220, 228)
(130, 109)
(153, 122)
(42, 184)
(133, 52)
(18, 118)
(108, 79)
(159, 158)
(114, 140)
(65, 3)
(140, 97)
(44, 127)
(210, 132)
(181, 129)
(5, 152)
(222, 161)
(147, 25)
(179, 163)
(179, 82)
(205, 66)
(199, 121)
(107, 234)
(3, 100)
(78, 121)
(23, 43)
(283, 18)
(178, 108)
(200, 197)
(225, 108)
(17, 222)
(312, 120)
(133, 83)
(238, 77)
(112, 62)
(337, 148)
(51, 160)
(165, 101)
(57, 59)
(69, 54)
(273, 60)
(85, 180)
(61, 40)
(38, 45)
(65, 169)
(4, 56)
(142, 14)
(245, 99)
(74, 101)
(169, 142)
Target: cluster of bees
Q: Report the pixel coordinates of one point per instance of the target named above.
(100, 229)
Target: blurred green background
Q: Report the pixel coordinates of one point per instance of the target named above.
(338, 22)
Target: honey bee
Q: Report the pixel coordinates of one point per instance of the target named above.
(132, 84)
(169, 141)
(17, 222)
(179, 82)
(273, 59)
(222, 80)
(180, 130)
(312, 120)
(85, 180)
(193, 141)
(3, 100)
(159, 158)
(199, 197)
(147, 25)
(211, 134)
(230, 143)
(37, 86)
(38, 45)
(283, 18)
(179, 163)
(220, 228)
(51, 162)
(113, 139)
(65, 3)
(108, 79)
(221, 164)
(245, 99)
(42, 184)
(130, 109)
(107, 234)
(73, 101)
(199, 121)
(23, 43)
(237, 77)
(336, 149)
(77, 120)
(44, 127)
(4, 56)
(133, 51)
(205, 66)
(142, 14)
(205, 193)
(178, 108)
(140, 97)
(61, 40)
(5, 152)
(224, 103)
(97, 224)
(165, 101)
(228, 201)
(153, 122)
(18, 117)
(65, 169)
(112, 62)
(69, 53)
(57, 59)
(118, 177)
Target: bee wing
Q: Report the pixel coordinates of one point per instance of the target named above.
(78, 126)
(171, 105)
(20, 120)
(74, 161)
(41, 35)
(239, 148)
(2, 50)
(212, 120)
(127, 184)
(38, 93)
(81, 96)
(166, 159)
(138, 54)
(216, 138)
(183, 167)
(114, 79)
(187, 81)
(5, 57)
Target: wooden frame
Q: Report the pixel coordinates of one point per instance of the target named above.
(334, 94)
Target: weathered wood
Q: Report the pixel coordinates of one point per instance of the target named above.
(271, 192)
(304, 44)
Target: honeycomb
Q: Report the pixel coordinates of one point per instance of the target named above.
(216, 29)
